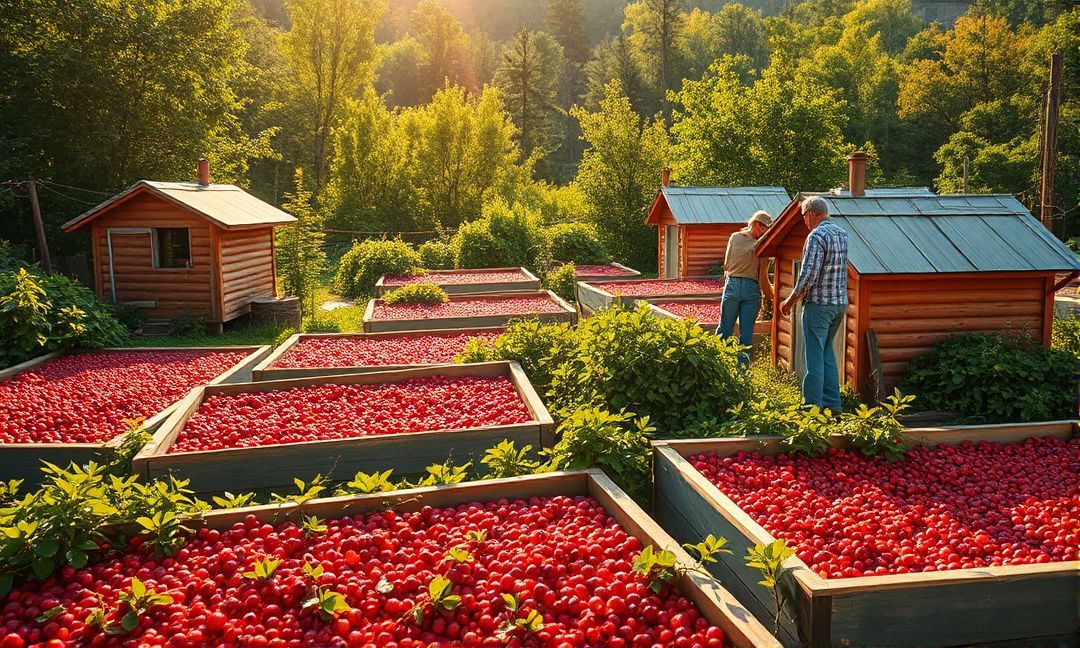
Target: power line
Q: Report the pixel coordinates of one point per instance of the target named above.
(57, 184)
(63, 195)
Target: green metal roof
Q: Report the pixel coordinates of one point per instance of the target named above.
(705, 205)
(951, 233)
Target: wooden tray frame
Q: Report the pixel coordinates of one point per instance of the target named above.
(265, 370)
(715, 603)
(528, 283)
(566, 314)
(1013, 605)
(591, 299)
(633, 276)
(761, 327)
(23, 460)
(276, 465)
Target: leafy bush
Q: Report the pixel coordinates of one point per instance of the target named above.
(475, 247)
(773, 382)
(563, 282)
(132, 317)
(43, 313)
(618, 443)
(421, 293)
(672, 371)
(368, 260)
(575, 243)
(436, 255)
(994, 377)
(1067, 335)
(187, 325)
(876, 431)
(504, 236)
(804, 430)
(537, 347)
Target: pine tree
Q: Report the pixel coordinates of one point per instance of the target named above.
(527, 78)
(300, 256)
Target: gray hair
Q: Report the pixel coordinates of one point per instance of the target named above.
(817, 205)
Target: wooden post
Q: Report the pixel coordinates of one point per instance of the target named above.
(1049, 143)
(39, 226)
(965, 174)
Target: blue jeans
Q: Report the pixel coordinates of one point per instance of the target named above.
(821, 385)
(741, 301)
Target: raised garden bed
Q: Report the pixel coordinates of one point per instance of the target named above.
(706, 310)
(594, 295)
(1022, 604)
(468, 312)
(531, 536)
(255, 435)
(71, 407)
(320, 354)
(600, 271)
(465, 282)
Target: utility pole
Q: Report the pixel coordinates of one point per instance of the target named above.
(39, 226)
(965, 173)
(1049, 143)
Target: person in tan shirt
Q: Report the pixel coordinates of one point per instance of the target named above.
(747, 278)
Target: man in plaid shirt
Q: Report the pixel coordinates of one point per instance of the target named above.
(822, 286)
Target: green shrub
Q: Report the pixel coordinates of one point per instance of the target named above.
(44, 313)
(994, 377)
(132, 317)
(877, 431)
(563, 282)
(436, 255)
(538, 348)
(368, 260)
(475, 247)
(618, 443)
(420, 293)
(187, 325)
(576, 243)
(672, 371)
(1067, 335)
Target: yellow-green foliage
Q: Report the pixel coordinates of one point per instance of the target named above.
(421, 293)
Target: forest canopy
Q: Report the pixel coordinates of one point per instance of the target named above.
(412, 115)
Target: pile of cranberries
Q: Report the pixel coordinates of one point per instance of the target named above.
(706, 311)
(564, 558)
(468, 307)
(85, 397)
(657, 287)
(435, 348)
(344, 411)
(943, 507)
(457, 278)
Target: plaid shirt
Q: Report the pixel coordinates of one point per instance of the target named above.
(823, 278)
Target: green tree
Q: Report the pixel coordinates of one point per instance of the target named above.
(444, 54)
(619, 174)
(740, 30)
(330, 48)
(464, 154)
(300, 256)
(370, 186)
(655, 29)
(399, 73)
(565, 21)
(892, 20)
(97, 94)
(527, 77)
(614, 60)
(728, 134)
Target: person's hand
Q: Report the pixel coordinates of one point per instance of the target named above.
(785, 306)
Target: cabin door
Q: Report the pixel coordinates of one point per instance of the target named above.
(798, 360)
(671, 252)
(131, 258)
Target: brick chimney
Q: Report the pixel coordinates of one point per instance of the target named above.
(204, 172)
(857, 173)
(665, 177)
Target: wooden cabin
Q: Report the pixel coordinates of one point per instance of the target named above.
(173, 248)
(921, 267)
(694, 223)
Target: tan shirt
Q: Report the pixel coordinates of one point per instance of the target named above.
(740, 260)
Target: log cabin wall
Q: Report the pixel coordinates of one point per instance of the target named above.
(173, 291)
(666, 219)
(704, 247)
(909, 313)
(247, 269)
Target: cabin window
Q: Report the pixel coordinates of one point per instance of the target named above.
(172, 247)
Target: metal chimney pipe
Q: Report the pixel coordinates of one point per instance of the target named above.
(857, 173)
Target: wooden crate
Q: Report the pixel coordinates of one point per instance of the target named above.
(710, 597)
(1018, 605)
(276, 465)
(762, 328)
(528, 282)
(23, 460)
(630, 275)
(566, 314)
(266, 370)
(591, 298)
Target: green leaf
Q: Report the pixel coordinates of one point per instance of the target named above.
(47, 548)
(130, 621)
(50, 613)
(43, 568)
(511, 602)
(76, 558)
